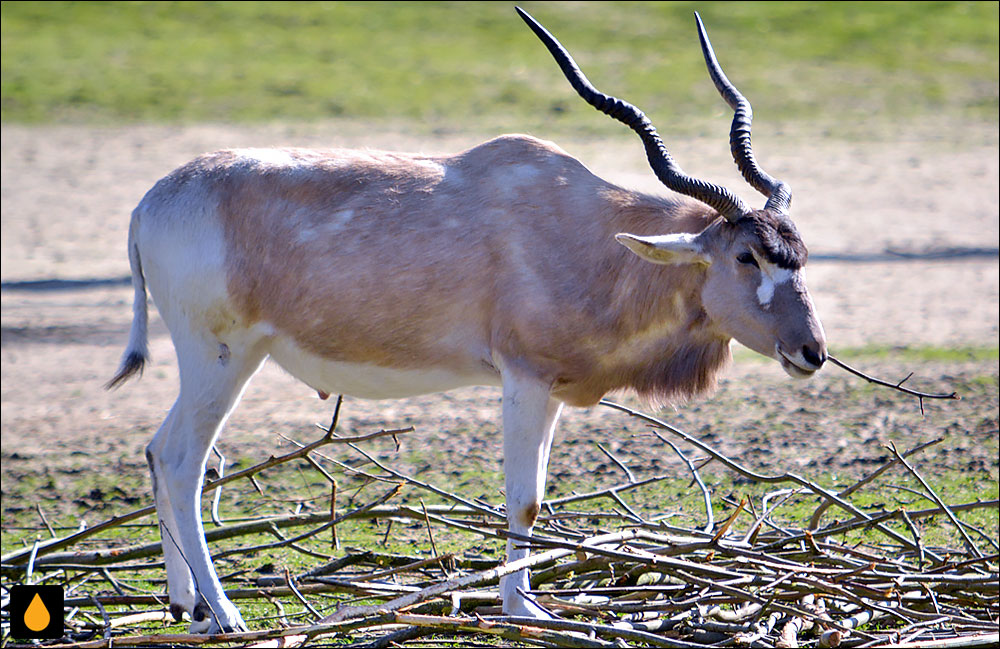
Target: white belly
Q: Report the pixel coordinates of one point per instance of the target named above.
(373, 381)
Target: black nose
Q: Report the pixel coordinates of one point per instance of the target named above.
(813, 357)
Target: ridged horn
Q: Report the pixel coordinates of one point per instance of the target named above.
(669, 172)
(779, 195)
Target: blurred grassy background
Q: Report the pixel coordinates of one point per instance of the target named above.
(445, 66)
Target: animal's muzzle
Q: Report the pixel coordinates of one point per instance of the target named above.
(804, 362)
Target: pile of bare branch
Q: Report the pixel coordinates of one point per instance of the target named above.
(609, 575)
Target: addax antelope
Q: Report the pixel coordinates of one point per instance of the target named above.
(384, 275)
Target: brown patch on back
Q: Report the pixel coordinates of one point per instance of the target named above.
(343, 254)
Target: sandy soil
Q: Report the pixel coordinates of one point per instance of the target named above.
(67, 193)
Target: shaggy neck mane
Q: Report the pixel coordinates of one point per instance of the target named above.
(686, 361)
(683, 372)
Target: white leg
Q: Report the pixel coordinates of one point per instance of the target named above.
(180, 585)
(212, 379)
(529, 421)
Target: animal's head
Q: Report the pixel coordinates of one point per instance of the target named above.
(754, 289)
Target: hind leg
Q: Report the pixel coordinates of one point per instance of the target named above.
(180, 585)
(213, 376)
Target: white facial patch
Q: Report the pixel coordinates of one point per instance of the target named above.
(771, 277)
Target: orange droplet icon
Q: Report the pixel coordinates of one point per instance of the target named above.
(37, 617)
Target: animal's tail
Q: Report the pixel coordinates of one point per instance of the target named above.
(137, 352)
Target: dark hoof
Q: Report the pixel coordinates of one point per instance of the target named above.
(177, 612)
(201, 612)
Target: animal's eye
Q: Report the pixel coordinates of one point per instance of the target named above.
(747, 258)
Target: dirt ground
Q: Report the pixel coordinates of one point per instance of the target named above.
(67, 193)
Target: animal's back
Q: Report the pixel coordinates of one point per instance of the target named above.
(366, 258)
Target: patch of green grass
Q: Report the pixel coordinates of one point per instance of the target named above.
(675, 496)
(451, 65)
(891, 492)
(929, 354)
(903, 353)
(937, 531)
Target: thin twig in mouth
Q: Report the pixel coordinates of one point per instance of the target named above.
(895, 386)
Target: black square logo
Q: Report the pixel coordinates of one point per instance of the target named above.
(36, 612)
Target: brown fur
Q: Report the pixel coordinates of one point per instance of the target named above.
(382, 288)
(530, 514)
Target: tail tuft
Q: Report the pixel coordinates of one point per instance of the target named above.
(132, 363)
(137, 352)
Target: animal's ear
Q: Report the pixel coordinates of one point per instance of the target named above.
(682, 248)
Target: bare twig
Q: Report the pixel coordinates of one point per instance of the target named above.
(290, 582)
(818, 514)
(937, 499)
(486, 576)
(786, 477)
(729, 521)
(758, 581)
(21, 556)
(621, 465)
(705, 494)
(45, 520)
(217, 496)
(895, 386)
(430, 535)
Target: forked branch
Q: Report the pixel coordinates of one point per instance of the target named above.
(895, 386)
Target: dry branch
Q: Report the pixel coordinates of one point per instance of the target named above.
(623, 576)
(895, 386)
(21, 556)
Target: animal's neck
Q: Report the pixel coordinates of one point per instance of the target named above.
(675, 353)
(657, 340)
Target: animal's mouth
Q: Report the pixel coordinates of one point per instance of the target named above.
(797, 368)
